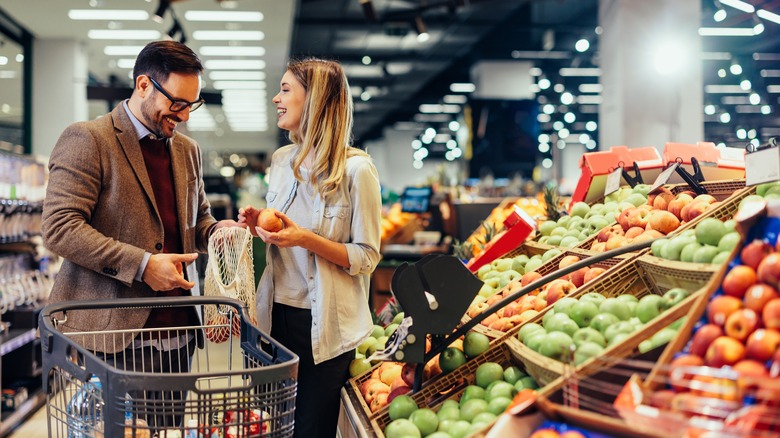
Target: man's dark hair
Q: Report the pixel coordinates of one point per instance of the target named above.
(161, 58)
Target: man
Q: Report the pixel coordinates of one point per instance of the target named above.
(126, 208)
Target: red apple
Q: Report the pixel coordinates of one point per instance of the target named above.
(754, 252)
(724, 351)
(568, 260)
(708, 199)
(558, 289)
(407, 373)
(593, 273)
(372, 388)
(529, 277)
(476, 309)
(769, 270)
(771, 314)
(695, 209)
(741, 323)
(637, 217)
(615, 241)
(751, 368)
(762, 344)
(738, 280)
(720, 307)
(381, 400)
(703, 338)
(757, 296)
(578, 277)
(514, 308)
(633, 232)
(662, 399)
(663, 221)
(662, 200)
(622, 219)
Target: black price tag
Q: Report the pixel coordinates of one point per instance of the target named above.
(663, 177)
(762, 166)
(613, 181)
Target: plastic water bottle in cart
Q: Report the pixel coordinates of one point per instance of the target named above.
(85, 411)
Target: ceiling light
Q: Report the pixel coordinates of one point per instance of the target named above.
(745, 84)
(722, 72)
(752, 133)
(569, 117)
(773, 89)
(547, 163)
(422, 31)
(741, 133)
(455, 99)
(589, 100)
(228, 35)
(416, 144)
(725, 117)
(237, 75)
(366, 60)
(735, 68)
(122, 50)
(108, 14)
(558, 88)
(769, 16)
(726, 31)
(739, 4)
(567, 98)
(758, 28)
(544, 83)
(719, 15)
(591, 126)
(723, 89)
(540, 54)
(586, 72)
(114, 34)
(770, 73)
(715, 56)
(226, 16)
(235, 64)
(535, 71)
(232, 51)
(544, 148)
(591, 88)
(241, 85)
(462, 87)
(454, 125)
(125, 63)
(766, 109)
(709, 109)
(582, 45)
(162, 8)
(669, 57)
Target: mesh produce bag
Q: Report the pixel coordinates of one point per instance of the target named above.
(229, 273)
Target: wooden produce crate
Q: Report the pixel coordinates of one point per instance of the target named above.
(431, 386)
(452, 385)
(546, 268)
(638, 276)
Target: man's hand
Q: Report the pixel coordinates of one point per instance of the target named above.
(165, 271)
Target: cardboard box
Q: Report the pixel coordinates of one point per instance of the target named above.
(595, 167)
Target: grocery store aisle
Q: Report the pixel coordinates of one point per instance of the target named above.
(36, 425)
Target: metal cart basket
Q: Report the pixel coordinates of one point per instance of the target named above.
(235, 386)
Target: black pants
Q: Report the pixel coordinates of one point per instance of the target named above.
(319, 386)
(160, 409)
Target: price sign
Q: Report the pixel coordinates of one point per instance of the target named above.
(613, 181)
(663, 177)
(762, 166)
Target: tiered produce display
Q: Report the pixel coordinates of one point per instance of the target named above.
(676, 295)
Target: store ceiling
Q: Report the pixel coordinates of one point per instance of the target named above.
(404, 73)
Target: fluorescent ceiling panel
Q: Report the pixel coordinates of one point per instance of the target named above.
(232, 51)
(108, 14)
(228, 35)
(227, 16)
(114, 34)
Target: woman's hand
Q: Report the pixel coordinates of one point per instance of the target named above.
(247, 216)
(290, 235)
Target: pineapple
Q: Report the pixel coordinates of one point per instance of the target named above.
(463, 250)
(551, 200)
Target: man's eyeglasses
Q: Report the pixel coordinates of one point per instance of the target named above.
(177, 104)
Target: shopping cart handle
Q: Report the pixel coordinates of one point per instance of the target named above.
(139, 302)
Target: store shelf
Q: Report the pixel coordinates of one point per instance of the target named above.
(14, 339)
(18, 246)
(10, 420)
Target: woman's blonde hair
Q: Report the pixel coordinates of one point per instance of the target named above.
(326, 122)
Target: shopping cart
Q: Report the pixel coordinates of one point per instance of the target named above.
(242, 387)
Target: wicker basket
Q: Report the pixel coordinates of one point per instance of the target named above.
(452, 385)
(638, 276)
(546, 268)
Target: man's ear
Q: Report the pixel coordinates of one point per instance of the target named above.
(142, 85)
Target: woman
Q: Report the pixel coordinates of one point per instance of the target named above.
(313, 295)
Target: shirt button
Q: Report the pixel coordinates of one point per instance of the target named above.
(158, 246)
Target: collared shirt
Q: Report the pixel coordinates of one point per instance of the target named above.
(341, 317)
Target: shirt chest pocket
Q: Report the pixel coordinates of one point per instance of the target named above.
(335, 222)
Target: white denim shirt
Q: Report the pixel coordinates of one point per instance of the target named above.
(341, 317)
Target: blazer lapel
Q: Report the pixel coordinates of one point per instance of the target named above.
(180, 179)
(128, 138)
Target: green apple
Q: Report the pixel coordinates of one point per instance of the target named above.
(449, 413)
(425, 420)
(661, 338)
(556, 345)
(550, 253)
(358, 367)
(500, 389)
(402, 407)
(533, 264)
(721, 258)
(649, 307)
(677, 324)
(450, 359)
(622, 327)
(643, 189)
(563, 305)
(484, 269)
(402, 427)
(561, 322)
(481, 420)
(616, 307)
(748, 199)
(558, 231)
(656, 248)
(487, 291)
(762, 189)
(507, 277)
(672, 249)
(570, 241)
(688, 251)
(488, 372)
(527, 329)
(527, 383)
(729, 241)
(471, 392)
(603, 320)
(546, 227)
(548, 315)
(518, 263)
(502, 265)
(492, 279)
(627, 298)
(586, 351)
(636, 199)
(459, 429)
(512, 374)
(498, 405)
(554, 241)
(475, 343)
(674, 296)
(637, 323)
(588, 334)
(620, 337)
(705, 254)
(534, 340)
(398, 318)
(582, 312)
(594, 297)
(363, 347)
(579, 209)
(710, 230)
(390, 329)
(472, 408)
(563, 221)
(377, 331)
